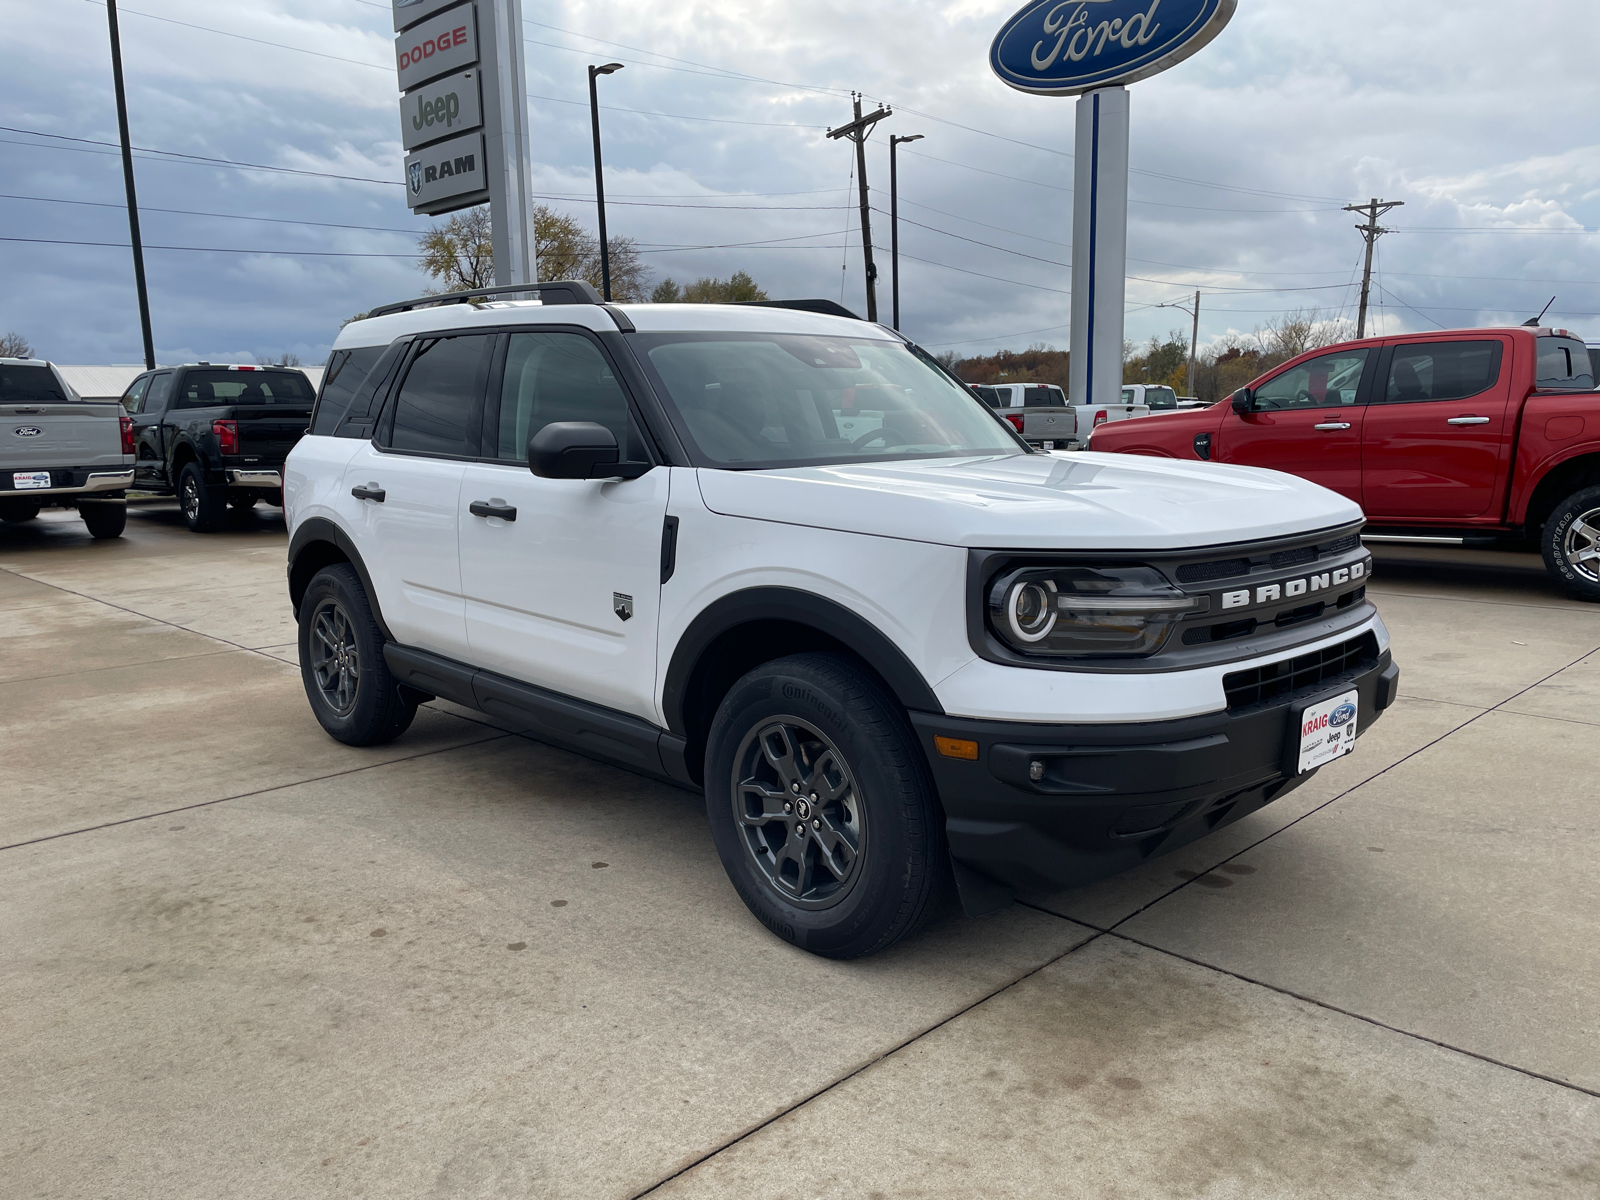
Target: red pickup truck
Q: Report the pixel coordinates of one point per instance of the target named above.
(1471, 433)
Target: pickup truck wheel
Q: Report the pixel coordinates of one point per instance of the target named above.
(821, 807)
(204, 507)
(16, 514)
(352, 693)
(104, 518)
(1571, 543)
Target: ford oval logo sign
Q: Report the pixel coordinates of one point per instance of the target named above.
(1342, 715)
(1062, 47)
(28, 431)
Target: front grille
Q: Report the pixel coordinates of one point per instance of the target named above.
(1205, 572)
(1258, 685)
(1283, 560)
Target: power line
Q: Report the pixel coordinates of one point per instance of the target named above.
(131, 12)
(215, 249)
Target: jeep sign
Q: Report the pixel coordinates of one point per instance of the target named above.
(447, 42)
(440, 109)
(446, 174)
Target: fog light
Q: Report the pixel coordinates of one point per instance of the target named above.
(1036, 770)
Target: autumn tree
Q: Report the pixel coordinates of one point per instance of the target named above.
(459, 253)
(14, 345)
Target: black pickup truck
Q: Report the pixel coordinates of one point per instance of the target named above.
(216, 436)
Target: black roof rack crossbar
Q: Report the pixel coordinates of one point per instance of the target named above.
(828, 308)
(560, 291)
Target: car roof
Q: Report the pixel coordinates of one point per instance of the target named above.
(648, 318)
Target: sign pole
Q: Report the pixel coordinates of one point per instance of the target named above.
(1099, 246)
(506, 142)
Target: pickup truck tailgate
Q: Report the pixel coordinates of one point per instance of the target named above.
(270, 431)
(74, 434)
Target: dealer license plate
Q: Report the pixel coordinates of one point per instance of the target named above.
(24, 481)
(1328, 730)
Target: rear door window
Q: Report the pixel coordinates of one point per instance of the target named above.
(439, 405)
(347, 371)
(155, 399)
(1564, 366)
(1441, 371)
(135, 396)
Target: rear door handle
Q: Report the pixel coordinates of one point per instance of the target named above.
(1333, 425)
(485, 508)
(1467, 421)
(371, 492)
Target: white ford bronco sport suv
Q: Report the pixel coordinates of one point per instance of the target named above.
(781, 556)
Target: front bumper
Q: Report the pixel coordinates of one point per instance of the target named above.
(68, 481)
(1112, 796)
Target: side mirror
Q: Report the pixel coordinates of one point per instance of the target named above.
(1244, 400)
(579, 450)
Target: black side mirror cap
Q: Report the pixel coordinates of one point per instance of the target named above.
(579, 450)
(1244, 400)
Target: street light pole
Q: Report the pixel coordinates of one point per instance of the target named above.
(599, 177)
(1194, 338)
(894, 218)
(127, 180)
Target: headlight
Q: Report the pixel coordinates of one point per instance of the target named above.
(1084, 611)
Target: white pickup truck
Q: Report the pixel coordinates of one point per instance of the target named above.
(58, 449)
(1045, 417)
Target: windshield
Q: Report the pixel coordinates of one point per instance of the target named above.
(1160, 398)
(777, 400)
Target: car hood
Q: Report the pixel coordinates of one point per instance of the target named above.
(1036, 501)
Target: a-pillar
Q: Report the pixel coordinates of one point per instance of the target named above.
(1099, 246)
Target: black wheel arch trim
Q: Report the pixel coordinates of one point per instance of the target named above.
(313, 531)
(791, 605)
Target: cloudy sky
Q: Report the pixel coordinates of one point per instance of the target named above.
(1484, 117)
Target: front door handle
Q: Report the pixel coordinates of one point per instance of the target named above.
(371, 492)
(1467, 421)
(486, 508)
(1333, 425)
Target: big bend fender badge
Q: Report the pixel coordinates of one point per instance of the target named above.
(622, 605)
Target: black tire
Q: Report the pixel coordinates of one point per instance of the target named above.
(104, 518)
(871, 865)
(16, 514)
(204, 507)
(1571, 544)
(352, 693)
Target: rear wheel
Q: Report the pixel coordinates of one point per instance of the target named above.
(15, 514)
(821, 806)
(204, 507)
(352, 693)
(104, 518)
(1571, 544)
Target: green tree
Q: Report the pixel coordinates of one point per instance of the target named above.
(667, 292)
(706, 290)
(459, 253)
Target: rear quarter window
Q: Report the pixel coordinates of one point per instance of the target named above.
(1564, 366)
(347, 371)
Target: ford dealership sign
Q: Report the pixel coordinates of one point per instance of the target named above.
(1062, 47)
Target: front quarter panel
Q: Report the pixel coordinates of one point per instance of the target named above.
(1160, 435)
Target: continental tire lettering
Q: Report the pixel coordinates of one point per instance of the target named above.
(795, 691)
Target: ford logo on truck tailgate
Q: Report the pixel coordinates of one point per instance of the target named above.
(27, 431)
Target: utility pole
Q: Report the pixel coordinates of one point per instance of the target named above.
(1371, 231)
(127, 180)
(857, 132)
(599, 176)
(894, 219)
(1194, 338)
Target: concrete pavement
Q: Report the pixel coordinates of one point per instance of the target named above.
(244, 960)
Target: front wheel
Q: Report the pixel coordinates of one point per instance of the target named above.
(821, 807)
(1571, 544)
(352, 693)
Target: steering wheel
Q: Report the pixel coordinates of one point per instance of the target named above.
(1305, 397)
(872, 435)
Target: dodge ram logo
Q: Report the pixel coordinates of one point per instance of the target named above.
(414, 174)
(27, 431)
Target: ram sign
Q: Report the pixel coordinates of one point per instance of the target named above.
(437, 176)
(1063, 47)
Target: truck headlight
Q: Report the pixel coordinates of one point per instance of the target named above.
(1072, 611)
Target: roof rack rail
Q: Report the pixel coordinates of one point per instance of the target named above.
(561, 291)
(827, 308)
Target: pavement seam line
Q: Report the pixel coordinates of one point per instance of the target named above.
(51, 837)
(1352, 788)
(135, 612)
(1345, 1012)
(1576, 607)
(875, 1060)
(149, 662)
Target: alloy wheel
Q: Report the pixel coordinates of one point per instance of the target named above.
(335, 657)
(1581, 545)
(190, 498)
(798, 811)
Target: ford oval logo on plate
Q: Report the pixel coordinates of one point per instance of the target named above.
(28, 431)
(1342, 715)
(1062, 47)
